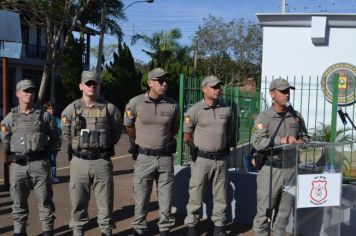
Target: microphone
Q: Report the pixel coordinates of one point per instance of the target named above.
(342, 116)
(291, 110)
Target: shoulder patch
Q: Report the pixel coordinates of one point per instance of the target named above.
(4, 129)
(259, 125)
(187, 119)
(254, 130)
(128, 113)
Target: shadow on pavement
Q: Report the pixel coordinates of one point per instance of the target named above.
(65, 178)
(5, 229)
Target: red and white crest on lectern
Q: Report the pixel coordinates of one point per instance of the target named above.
(319, 191)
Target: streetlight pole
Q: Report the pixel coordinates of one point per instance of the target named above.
(148, 1)
(284, 6)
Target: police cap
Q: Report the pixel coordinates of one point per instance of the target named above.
(211, 81)
(157, 73)
(89, 76)
(280, 84)
(25, 84)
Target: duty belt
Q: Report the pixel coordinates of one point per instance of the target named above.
(212, 155)
(275, 164)
(23, 159)
(280, 163)
(92, 154)
(153, 152)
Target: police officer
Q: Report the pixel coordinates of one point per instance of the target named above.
(90, 128)
(26, 131)
(292, 130)
(151, 120)
(212, 123)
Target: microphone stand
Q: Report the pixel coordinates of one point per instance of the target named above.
(352, 123)
(269, 210)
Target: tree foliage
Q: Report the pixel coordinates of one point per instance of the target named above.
(60, 18)
(162, 46)
(228, 49)
(121, 81)
(68, 87)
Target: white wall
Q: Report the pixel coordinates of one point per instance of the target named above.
(288, 51)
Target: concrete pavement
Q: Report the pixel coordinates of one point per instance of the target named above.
(123, 204)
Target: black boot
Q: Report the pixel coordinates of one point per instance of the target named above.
(21, 234)
(192, 231)
(135, 233)
(164, 233)
(219, 231)
(47, 233)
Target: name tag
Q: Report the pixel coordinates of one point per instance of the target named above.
(166, 113)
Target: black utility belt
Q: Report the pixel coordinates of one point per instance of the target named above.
(275, 164)
(154, 152)
(92, 155)
(212, 155)
(23, 159)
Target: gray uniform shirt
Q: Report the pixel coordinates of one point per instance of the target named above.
(47, 126)
(213, 127)
(154, 121)
(266, 123)
(68, 114)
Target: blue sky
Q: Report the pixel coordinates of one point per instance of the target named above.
(187, 15)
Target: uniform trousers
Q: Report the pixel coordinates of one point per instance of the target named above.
(85, 174)
(148, 169)
(34, 175)
(203, 172)
(282, 201)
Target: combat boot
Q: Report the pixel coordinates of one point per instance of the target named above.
(164, 233)
(47, 233)
(135, 233)
(219, 231)
(192, 231)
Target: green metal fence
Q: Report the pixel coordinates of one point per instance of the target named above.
(319, 113)
(246, 105)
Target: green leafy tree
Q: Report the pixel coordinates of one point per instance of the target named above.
(228, 49)
(59, 18)
(121, 81)
(162, 45)
(106, 15)
(68, 87)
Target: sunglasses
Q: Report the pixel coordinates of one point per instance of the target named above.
(162, 81)
(91, 83)
(216, 87)
(29, 90)
(285, 91)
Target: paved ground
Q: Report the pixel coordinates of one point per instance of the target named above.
(123, 204)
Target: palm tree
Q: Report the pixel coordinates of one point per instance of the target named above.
(162, 45)
(106, 14)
